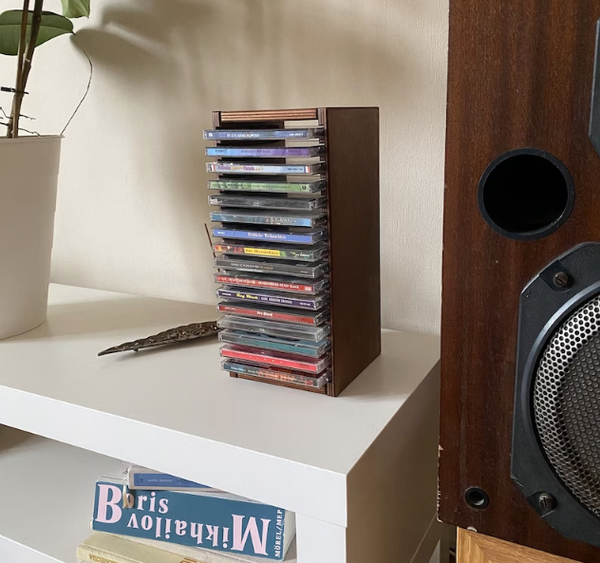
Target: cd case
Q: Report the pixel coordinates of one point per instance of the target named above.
(273, 234)
(266, 250)
(262, 266)
(241, 368)
(260, 134)
(225, 167)
(266, 152)
(275, 283)
(268, 217)
(278, 344)
(275, 359)
(291, 186)
(280, 314)
(273, 328)
(273, 298)
(283, 201)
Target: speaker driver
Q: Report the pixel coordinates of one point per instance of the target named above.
(566, 401)
(555, 458)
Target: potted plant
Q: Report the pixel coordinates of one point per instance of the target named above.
(29, 166)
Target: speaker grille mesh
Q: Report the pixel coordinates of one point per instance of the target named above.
(566, 403)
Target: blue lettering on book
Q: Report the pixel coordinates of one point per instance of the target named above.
(213, 522)
(163, 480)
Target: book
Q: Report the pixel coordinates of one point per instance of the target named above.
(101, 547)
(143, 478)
(215, 521)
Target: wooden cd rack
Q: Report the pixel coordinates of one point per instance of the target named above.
(351, 173)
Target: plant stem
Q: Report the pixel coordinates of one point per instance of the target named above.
(18, 88)
(36, 22)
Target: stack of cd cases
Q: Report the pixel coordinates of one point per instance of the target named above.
(294, 209)
(271, 247)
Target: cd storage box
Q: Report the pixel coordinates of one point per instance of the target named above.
(296, 239)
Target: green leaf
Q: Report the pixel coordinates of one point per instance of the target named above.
(76, 8)
(52, 26)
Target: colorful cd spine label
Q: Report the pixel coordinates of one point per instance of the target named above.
(268, 299)
(309, 255)
(286, 345)
(314, 366)
(249, 135)
(275, 374)
(263, 219)
(284, 152)
(265, 284)
(272, 328)
(274, 187)
(274, 202)
(271, 236)
(299, 269)
(267, 314)
(246, 168)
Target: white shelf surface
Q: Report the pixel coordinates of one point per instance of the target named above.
(174, 410)
(47, 509)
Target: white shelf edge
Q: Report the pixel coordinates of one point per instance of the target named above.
(321, 493)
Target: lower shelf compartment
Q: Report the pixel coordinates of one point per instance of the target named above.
(47, 494)
(47, 491)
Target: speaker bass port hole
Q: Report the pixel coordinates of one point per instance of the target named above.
(526, 194)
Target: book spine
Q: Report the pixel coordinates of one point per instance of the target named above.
(95, 555)
(205, 520)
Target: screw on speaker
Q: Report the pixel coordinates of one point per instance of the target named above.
(556, 422)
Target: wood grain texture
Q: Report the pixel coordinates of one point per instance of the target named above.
(352, 156)
(269, 115)
(520, 75)
(477, 548)
(352, 144)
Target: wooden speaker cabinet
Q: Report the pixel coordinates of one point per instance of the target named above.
(520, 425)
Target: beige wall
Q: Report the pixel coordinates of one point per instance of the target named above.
(132, 196)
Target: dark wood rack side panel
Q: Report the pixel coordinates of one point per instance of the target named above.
(352, 140)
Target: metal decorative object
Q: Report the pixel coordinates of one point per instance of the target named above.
(171, 336)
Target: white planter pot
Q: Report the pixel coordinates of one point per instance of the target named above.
(28, 180)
